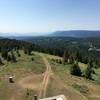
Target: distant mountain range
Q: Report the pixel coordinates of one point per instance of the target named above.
(76, 33)
(12, 34)
(72, 33)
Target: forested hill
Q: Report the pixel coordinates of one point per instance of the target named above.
(57, 45)
(76, 33)
(9, 44)
(87, 47)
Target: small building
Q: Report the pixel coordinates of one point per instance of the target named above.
(59, 97)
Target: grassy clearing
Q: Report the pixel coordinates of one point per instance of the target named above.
(23, 65)
(82, 66)
(81, 88)
(87, 88)
(97, 75)
(58, 87)
(22, 68)
(61, 82)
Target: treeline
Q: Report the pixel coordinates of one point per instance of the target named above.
(74, 58)
(9, 44)
(76, 48)
(76, 55)
(9, 49)
(72, 53)
(87, 73)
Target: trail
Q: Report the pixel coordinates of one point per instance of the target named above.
(46, 78)
(42, 87)
(72, 94)
(28, 82)
(12, 98)
(25, 82)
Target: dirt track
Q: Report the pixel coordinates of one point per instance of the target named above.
(46, 78)
(41, 85)
(38, 85)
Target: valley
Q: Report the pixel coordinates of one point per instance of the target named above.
(49, 49)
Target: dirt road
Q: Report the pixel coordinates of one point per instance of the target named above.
(42, 81)
(37, 85)
(46, 78)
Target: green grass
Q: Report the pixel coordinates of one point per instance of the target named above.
(97, 75)
(82, 66)
(23, 67)
(61, 75)
(79, 84)
(81, 88)
(23, 64)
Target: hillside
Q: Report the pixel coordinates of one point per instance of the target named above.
(45, 75)
(29, 77)
(71, 34)
(57, 45)
(76, 33)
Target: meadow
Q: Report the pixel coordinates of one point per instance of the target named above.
(28, 74)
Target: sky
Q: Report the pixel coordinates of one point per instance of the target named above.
(42, 16)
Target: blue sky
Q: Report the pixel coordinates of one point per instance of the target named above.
(25, 16)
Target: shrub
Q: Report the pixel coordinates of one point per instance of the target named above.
(75, 70)
(89, 71)
(32, 59)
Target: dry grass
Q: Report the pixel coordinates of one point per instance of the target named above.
(87, 88)
(26, 72)
(29, 74)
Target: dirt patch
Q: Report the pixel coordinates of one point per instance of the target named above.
(31, 82)
(44, 85)
(56, 87)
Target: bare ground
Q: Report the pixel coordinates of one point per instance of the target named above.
(31, 82)
(40, 84)
(46, 78)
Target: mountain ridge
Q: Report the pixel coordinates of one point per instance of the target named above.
(69, 33)
(76, 33)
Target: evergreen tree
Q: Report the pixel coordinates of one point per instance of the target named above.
(1, 63)
(9, 58)
(17, 51)
(65, 56)
(13, 57)
(28, 50)
(4, 54)
(71, 60)
(75, 70)
(60, 61)
(89, 71)
(85, 60)
(32, 59)
(78, 56)
(25, 51)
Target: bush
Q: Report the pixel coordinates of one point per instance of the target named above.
(32, 59)
(75, 70)
(9, 58)
(4, 54)
(13, 57)
(19, 55)
(1, 63)
(89, 71)
(81, 88)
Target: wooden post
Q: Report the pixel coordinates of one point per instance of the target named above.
(11, 80)
(35, 97)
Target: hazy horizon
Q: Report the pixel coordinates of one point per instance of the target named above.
(44, 16)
